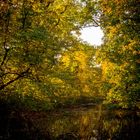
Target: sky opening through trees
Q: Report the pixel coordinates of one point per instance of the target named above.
(92, 35)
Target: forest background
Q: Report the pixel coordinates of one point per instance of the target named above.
(43, 65)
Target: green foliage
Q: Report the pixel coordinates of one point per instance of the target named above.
(40, 57)
(119, 54)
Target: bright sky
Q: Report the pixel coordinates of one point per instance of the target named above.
(92, 35)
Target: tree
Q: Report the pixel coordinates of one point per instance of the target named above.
(120, 52)
(32, 36)
(78, 61)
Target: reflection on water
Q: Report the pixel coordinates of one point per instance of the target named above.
(92, 124)
(82, 123)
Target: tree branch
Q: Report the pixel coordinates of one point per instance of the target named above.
(22, 74)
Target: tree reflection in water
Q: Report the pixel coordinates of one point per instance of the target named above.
(74, 124)
(94, 124)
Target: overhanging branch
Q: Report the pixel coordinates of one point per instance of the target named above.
(22, 74)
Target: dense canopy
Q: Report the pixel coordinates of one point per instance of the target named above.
(42, 62)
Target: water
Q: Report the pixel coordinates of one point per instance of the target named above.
(81, 123)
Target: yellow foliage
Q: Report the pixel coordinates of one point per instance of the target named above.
(113, 30)
(110, 72)
(56, 81)
(37, 7)
(86, 88)
(65, 60)
(81, 58)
